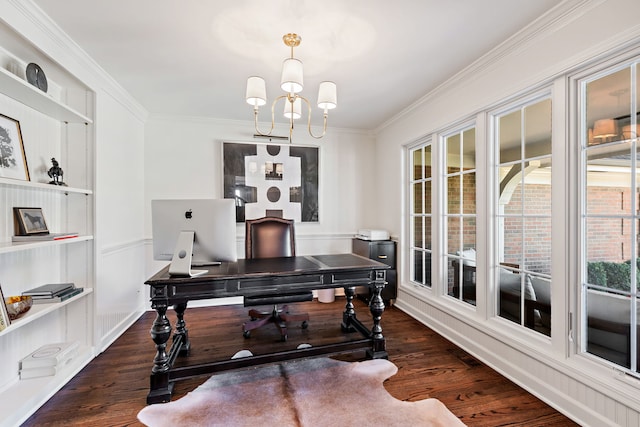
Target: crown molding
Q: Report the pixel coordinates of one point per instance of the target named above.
(25, 17)
(249, 124)
(552, 21)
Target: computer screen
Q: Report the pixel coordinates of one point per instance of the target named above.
(211, 222)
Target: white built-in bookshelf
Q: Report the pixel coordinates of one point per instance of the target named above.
(55, 124)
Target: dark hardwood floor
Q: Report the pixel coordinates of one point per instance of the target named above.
(113, 387)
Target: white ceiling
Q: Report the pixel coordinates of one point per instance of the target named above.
(192, 57)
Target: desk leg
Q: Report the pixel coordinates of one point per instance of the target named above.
(376, 306)
(160, 388)
(181, 330)
(349, 310)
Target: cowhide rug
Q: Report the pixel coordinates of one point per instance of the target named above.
(309, 392)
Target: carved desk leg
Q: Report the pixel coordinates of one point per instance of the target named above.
(160, 388)
(181, 330)
(376, 306)
(349, 310)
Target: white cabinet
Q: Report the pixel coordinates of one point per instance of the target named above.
(56, 124)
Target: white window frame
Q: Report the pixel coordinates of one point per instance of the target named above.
(579, 112)
(496, 215)
(420, 144)
(443, 214)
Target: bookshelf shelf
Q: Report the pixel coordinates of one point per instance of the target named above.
(17, 401)
(39, 310)
(23, 92)
(10, 247)
(43, 186)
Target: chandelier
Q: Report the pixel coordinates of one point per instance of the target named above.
(291, 83)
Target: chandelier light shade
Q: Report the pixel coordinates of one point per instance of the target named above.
(256, 94)
(605, 128)
(292, 80)
(630, 132)
(327, 96)
(297, 109)
(292, 83)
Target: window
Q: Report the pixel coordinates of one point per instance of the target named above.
(420, 217)
(460, 214)
(610, 213)
(523, 214)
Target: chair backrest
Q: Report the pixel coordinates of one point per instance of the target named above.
(269, 237)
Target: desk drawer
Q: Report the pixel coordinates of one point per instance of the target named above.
(282, 283)
(385, 253)
(355, 278)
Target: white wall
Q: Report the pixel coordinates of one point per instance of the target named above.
(587, 391)
(119, 237)
(183, 159)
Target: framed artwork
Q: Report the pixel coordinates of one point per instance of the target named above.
(4, 315)
(29, 221)
(272, 180)
(13, 161)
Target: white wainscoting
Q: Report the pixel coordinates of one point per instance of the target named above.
(120, 296)
(556, 381)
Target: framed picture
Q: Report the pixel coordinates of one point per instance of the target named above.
(272, 180)
(4, 315)
(13, 161)
(29, 221)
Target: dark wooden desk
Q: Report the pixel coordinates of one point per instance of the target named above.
(255, 277)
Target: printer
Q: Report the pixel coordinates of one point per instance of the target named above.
(369, 234)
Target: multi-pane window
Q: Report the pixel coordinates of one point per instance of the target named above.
(420, 206)
(523, 215)
(610, 214)
(460, 214)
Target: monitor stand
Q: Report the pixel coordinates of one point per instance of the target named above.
(181, 261)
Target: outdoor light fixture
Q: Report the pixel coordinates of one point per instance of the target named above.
(604, 129)
(292, 83)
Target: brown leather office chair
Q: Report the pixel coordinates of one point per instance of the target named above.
(272, 237)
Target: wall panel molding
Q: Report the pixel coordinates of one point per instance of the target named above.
(556, 382)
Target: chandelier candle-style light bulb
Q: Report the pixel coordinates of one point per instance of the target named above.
(291, 83)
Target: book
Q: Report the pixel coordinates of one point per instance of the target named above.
(58, 298)
(44, 371)
(44, 237)
(50, 355)
(53, 294)
(49, 290)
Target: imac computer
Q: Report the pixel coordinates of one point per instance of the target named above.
(193, 232)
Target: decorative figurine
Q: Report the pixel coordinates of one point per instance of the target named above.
(56, 173)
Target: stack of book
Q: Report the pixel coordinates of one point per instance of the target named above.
(48, 360)
(53, 292)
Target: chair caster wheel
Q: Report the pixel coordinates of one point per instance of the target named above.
(284, 338)
(246, 334)
(305, 324)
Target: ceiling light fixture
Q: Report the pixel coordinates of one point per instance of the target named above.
(291, 82)
(605, 128)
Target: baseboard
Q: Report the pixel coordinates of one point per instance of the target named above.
(541, 376)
